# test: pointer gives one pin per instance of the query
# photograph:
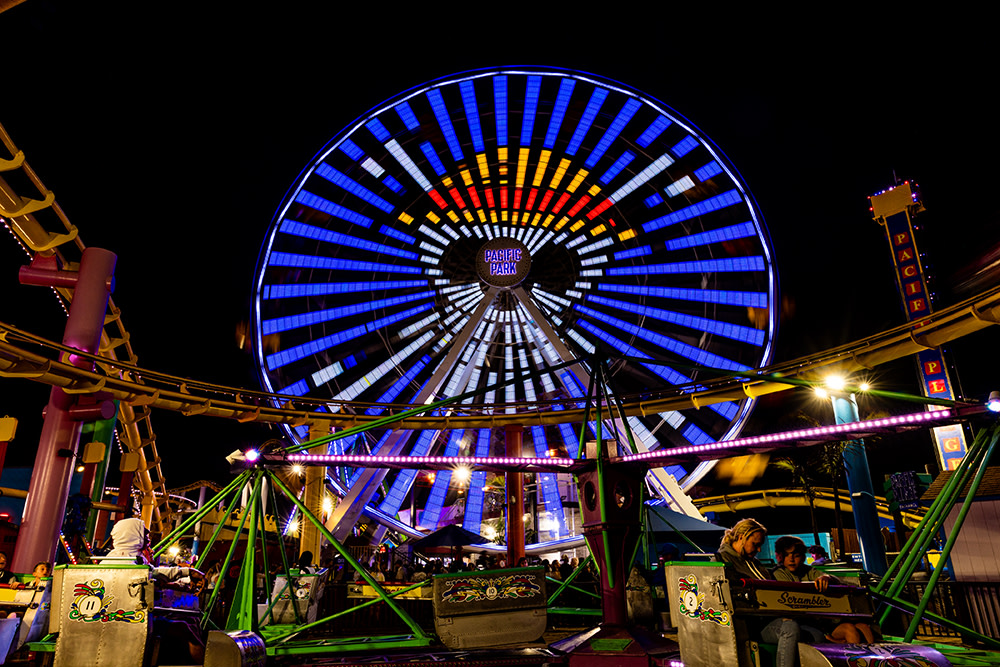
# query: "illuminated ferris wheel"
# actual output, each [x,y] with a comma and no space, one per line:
[492,226]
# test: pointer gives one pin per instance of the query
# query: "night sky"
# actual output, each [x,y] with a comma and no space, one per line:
[170,134]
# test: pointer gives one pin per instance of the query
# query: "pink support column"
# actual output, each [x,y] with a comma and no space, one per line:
[50,480]
[515,498]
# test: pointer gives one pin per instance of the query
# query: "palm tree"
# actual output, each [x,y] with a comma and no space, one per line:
[802,478]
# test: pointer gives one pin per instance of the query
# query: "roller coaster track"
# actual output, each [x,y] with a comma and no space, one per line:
[772,498]
[44,232]
[29,356]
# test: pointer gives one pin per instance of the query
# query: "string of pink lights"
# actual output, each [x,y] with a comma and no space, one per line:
[653,458]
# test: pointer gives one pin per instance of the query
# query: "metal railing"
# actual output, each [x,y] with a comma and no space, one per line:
[975,605]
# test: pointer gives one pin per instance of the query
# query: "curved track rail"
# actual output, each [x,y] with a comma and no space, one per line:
[45,233]
[27,356]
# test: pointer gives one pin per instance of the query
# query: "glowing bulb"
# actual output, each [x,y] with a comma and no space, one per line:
[298,469]
[251,455]
[462,474]
[864,386]
[292,527]
[820,392]
[836,382]
[993,404]
[327,504]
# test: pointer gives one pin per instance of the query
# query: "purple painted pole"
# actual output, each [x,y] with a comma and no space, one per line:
[64,416]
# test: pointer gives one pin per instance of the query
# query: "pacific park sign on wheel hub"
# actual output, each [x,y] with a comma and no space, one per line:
[503,262]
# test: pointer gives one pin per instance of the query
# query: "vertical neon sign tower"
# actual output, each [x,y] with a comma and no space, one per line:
[893,209]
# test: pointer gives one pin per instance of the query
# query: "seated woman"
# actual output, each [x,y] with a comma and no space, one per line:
[739,548]
[790,553]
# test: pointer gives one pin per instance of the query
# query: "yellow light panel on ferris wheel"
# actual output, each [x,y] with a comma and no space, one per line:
[543,162]
[484,168]
[575,183]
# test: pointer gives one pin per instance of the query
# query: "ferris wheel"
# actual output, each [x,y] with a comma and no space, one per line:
[490,227]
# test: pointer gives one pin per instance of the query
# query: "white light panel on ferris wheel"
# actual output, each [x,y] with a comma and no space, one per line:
[333,283]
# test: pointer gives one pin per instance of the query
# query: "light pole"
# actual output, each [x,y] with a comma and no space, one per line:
[859,482]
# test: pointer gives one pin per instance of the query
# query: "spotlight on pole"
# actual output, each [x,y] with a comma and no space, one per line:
[993,404]
[836,382]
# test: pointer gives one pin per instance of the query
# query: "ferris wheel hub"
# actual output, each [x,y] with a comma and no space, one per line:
[503,262]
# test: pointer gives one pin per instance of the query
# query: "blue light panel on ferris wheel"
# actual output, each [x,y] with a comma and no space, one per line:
[432,157]
[731,264]
[290,322]
[352,150]
[500,108]
[435,500]
[711,169]
[279,359]
[661,369]
[641,251]
[696,436]
[531,91]
[550,486]
[684,146]
[586,120]
[444,122]
[616,168]
[442,480]
[654,130]
[314,262]
[474,500]
[407,116]
[393,184]
[626,113]
[559,111]
[299,388]
[716,203]
[726,329]
[653,200]
[397,494]
[727,297]
[695,354]
[396,234]
[740,231]
[336,210]
[352,186]
[319,289]
[571,440]
[472,115]
[404,480]
[376,127]
[294,228]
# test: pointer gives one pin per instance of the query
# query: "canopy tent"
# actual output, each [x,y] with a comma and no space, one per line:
[451,537]
[670,526]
